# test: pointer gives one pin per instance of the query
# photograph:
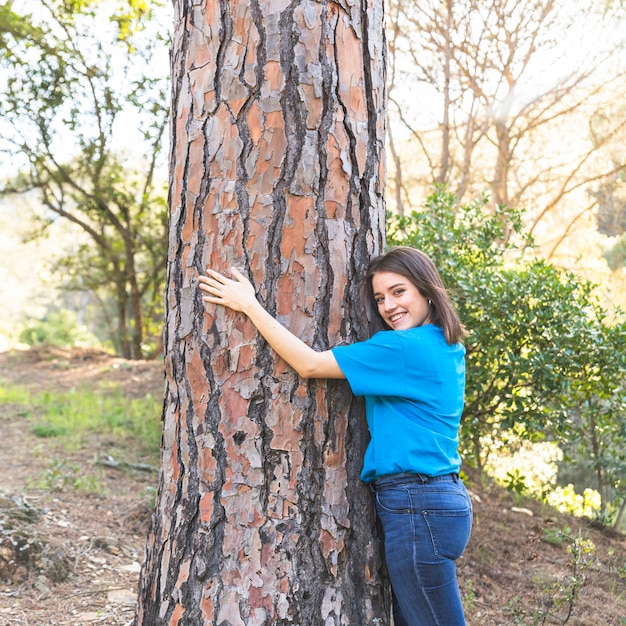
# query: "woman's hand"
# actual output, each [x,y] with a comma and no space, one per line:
[237,294]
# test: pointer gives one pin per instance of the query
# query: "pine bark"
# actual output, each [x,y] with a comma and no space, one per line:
[277,167]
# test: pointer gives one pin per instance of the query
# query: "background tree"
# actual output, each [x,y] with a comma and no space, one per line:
[501,95]
[276,166]
[594,436]
[610,193]
[77,78]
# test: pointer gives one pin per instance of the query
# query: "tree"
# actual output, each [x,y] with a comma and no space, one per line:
[72,71]
[595,434]
[276,167]
[505,83]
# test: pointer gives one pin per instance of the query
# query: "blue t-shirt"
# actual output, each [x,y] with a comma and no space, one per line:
[414,385]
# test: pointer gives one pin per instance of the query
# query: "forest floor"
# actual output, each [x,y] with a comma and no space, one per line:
[526,563]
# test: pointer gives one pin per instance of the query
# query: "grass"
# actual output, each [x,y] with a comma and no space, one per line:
[73,416]
[14,395]
[60,474]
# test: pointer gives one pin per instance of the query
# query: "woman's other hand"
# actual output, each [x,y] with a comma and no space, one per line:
[236,294]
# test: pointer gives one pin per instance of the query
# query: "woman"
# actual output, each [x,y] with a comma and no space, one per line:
[413,380]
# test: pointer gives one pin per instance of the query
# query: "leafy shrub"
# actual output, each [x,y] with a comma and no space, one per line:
[58,328]
[543,363]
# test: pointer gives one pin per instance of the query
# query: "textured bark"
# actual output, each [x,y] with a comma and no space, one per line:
[277,168]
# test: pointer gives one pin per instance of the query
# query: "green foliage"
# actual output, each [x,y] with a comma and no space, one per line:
[616,255]
[525,467]
[149,495]
[132,425]
[595,431]
[61,474]
[58,328]
[516,482]
[559,594]
[15,395]
[469,595]
[73,69]
[48,431]
[73,415]
[556,536]
[565,592]
[541,359]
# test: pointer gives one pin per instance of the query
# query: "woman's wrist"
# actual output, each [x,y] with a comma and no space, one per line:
[252,308]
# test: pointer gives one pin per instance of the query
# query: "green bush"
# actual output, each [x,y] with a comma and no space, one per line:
[58,328]
[543,363]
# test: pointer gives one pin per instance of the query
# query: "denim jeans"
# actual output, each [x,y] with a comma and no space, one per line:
[426,524]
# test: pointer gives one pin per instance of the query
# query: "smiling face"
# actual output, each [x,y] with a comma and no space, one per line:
[399,302]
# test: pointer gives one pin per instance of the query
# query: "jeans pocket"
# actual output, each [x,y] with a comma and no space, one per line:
[449,531]
[397,501]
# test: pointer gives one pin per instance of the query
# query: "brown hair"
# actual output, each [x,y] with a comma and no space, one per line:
[421,271]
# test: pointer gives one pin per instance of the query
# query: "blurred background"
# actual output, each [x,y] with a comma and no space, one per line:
[506,162]
[521,102]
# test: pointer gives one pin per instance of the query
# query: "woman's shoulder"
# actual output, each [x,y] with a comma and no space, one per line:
[389,335]
[412,338]
[425,332]
[428,334]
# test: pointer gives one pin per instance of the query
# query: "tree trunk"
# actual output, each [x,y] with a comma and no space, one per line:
[595,457]
[444,161]
[122,322]
[397,175]
[135,313]
[277,168]
[500,184]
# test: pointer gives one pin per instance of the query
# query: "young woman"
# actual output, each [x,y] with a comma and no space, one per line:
[413,380]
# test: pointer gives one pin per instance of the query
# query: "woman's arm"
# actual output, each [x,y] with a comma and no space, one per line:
[238,295]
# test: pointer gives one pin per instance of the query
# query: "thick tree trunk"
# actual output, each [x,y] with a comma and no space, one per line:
[277,168]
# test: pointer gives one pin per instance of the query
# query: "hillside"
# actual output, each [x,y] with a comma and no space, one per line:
[519,565]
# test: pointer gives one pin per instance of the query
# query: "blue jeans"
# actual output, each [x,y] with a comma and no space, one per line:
[426,524]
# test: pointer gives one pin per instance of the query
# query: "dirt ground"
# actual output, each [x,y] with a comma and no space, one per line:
[93,544]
